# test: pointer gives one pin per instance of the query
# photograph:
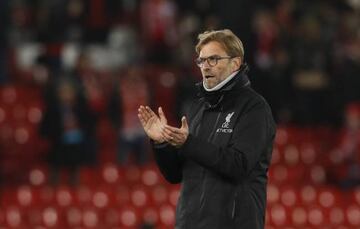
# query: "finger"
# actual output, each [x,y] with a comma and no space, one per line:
[142,120]
[140,113]
[177,139]
[173,135]
[171,140]
[184,124]
[169,133]
[142,110]
[167,136]
[162,116]
[178,135]
[172,129]
[151,112]
[146,115]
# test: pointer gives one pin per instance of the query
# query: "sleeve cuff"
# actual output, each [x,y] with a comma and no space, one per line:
[159,145]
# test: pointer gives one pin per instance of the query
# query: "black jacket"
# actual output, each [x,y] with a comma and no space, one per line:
[224,162]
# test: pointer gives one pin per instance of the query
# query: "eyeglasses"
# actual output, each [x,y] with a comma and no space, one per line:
[211,60]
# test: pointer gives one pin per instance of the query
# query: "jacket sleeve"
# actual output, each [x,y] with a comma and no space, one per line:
[169,162]
[253,135]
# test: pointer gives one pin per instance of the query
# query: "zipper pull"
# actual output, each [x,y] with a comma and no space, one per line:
[233,210]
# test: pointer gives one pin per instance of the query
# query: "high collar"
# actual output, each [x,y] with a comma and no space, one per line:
[214,98]
[221,84]
[238,81]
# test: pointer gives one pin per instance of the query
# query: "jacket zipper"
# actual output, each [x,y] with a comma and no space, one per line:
[233,210]
[233,207]
[202,196]
[197,127]
[212,133]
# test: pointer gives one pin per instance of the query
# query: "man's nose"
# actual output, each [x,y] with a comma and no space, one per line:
[205,69]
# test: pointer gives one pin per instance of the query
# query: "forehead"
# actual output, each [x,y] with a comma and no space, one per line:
[212,48]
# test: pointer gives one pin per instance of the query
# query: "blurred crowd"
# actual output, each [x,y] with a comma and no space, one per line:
[99,59]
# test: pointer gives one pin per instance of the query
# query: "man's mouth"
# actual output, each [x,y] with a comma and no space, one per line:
[208,76]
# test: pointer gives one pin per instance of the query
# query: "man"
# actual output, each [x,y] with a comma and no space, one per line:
[222,155]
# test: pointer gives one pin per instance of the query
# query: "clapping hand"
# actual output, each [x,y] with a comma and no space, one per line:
[152,123]
[156,127]
[176,136]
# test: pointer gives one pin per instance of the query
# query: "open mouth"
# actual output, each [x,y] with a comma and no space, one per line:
[208,76]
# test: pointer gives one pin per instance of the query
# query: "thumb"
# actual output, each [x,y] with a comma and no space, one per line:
[162,116]
[184,124]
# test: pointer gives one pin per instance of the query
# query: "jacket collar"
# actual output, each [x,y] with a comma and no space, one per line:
[239,81]
[214,98]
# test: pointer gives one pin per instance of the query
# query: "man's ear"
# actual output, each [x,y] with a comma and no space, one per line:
[236,63]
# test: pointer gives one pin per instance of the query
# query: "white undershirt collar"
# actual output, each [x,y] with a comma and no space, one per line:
[221,84]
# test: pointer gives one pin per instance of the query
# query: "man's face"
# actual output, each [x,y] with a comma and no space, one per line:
[213,75]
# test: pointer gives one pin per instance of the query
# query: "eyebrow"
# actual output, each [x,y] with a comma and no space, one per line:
[216,55]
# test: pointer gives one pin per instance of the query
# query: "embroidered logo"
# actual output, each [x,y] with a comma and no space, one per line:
[225,126]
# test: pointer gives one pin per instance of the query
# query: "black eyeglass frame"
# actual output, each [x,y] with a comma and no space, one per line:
[211,60]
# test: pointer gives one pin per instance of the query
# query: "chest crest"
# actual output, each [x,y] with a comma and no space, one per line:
[227,124]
